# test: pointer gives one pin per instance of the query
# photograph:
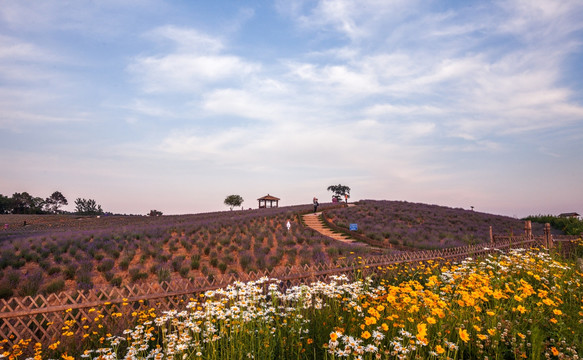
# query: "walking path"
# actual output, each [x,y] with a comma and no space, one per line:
[314,221]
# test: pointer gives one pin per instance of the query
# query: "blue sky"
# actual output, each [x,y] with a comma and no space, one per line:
[173,105]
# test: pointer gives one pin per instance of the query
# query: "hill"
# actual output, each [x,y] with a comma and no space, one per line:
[53,253]
[424,226]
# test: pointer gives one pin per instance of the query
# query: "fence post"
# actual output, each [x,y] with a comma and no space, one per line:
[528,229]
[548,239]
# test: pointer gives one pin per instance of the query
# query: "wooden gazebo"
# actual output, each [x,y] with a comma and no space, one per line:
[268,201]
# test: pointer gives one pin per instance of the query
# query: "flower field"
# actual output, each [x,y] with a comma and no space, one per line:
[521,304]
[80,254]
[424,226]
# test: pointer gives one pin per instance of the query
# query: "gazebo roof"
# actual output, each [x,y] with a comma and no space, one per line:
[570,214]
[268,197]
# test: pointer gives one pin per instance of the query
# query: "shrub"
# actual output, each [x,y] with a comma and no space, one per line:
[84,280]
[177,263]
[194,263]
[31,284]
[70,271]
[54,286]
[222,267]
[136,274]
[183,271]
[245,260]
[6,291]
[124,264]
[105,265]
[163,274]
[116,281]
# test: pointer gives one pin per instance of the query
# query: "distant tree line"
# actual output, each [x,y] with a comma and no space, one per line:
[24,203]
[568,225]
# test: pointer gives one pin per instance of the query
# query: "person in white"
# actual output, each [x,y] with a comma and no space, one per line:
[288,225]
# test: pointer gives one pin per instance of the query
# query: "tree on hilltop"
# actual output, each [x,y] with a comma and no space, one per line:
[87,207]
[340,191]
[233,200]
[24,203]
[54,202]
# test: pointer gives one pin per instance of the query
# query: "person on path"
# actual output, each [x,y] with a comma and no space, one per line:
[346,198]
[288,225]
[316,204]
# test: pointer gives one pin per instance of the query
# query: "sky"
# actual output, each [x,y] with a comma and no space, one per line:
[173,105]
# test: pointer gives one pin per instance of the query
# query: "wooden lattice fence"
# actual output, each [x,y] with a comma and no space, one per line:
[45,319]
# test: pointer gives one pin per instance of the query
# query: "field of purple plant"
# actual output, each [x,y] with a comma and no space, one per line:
[54,253]
[425,226]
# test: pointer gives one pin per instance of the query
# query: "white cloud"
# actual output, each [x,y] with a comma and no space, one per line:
[196,62]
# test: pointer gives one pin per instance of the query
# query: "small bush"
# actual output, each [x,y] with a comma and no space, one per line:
[54,286]
[183,271]
[124,264]
[136,274]
[5,290]
[31,284]
[105,265]
[54,270]
[116,281]
[70,271]
[163,274]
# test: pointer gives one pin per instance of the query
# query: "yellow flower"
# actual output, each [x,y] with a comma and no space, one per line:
[439,349]
[464,335]
[557,312]
[555,351]
[421,330]
[491,313]
[370,320]
[385,327]
[333,336]
[431,320]
[521,308]
[365,335]
[553,320]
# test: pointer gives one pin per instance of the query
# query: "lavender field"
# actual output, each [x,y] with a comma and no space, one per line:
[425,226]
[52,253]
[55,253]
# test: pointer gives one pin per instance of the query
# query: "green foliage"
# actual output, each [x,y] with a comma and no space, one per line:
[339,191]
[568,225]
[233,200]
[54,202]
[87,207]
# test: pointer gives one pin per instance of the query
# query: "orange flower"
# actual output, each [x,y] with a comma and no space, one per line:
[464,335]
[333,336]
[365,335]
[439,349]
[555,351]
